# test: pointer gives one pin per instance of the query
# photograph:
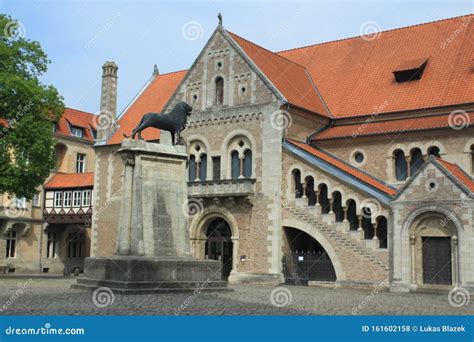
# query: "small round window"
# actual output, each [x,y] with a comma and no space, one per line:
[359,157]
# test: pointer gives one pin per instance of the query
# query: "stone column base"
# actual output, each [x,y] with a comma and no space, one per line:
[134,274]
[255,278]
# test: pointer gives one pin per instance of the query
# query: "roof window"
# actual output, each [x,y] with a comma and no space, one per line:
[410,70]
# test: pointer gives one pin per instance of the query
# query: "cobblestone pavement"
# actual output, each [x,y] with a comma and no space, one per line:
[54,297]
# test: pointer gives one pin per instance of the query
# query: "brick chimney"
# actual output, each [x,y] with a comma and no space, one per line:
[108,102]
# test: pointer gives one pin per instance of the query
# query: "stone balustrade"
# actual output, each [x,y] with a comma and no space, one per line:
[222,187]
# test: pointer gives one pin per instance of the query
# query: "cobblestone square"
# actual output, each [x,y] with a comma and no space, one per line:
[40,296]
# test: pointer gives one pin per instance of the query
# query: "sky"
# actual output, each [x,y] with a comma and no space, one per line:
[79,36]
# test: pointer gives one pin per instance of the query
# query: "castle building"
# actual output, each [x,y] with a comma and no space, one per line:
[51,233]
[347,163]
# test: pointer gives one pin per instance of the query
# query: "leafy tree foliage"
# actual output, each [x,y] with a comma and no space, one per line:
[27,110]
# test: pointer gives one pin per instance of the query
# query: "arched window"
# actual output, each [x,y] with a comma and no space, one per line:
[235,164]
[298,187]
[382,231]
[367,225]
[241,163]
[434,151]
[401,169]
[416,161]
[203,167]
[247,164]
[309,191]
[197,169]
[352,215]
[192,168]
[472,158]
[219,90]
[337,206]
[323,198]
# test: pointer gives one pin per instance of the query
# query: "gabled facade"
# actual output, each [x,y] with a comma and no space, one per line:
[39,237]
[305,160]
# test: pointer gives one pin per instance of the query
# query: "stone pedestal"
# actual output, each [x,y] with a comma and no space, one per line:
[153,249]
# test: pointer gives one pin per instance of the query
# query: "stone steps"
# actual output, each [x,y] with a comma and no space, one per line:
[346,239]
[136,287]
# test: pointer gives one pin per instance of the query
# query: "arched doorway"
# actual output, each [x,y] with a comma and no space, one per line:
[219,244]
[305,259]
[433,241]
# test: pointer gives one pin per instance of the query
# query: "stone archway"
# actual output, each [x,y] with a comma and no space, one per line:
[433,250]
[199,234]
[305,259]
[315,234]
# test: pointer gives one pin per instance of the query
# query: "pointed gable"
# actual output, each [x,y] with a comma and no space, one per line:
[290,78]
[458,173]
[434,177]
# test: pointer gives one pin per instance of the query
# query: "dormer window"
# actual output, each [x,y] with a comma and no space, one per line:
[219,90]
[94,133]
[410,70]
[77,131]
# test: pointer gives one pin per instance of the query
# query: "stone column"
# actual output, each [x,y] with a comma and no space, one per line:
[408,159]
[331,201]
[360,229]
[124,230]
[316,193]
[375,234]
[413,258]
[241,166]
[454,248]
[345,208]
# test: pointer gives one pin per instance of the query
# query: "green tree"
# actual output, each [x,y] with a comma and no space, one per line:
[27,110]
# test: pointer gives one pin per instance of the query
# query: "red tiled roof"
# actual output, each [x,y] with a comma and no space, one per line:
[290,78]
[355,75]
[153,99]
[458,173]
[346,168]
[77,118]
[71,180]
[389,126]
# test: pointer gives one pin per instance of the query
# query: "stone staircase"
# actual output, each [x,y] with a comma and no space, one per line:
[361,259]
